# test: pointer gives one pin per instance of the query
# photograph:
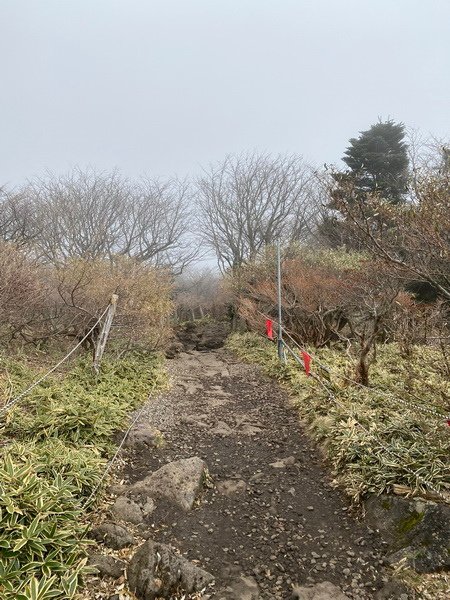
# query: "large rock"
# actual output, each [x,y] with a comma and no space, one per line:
[320,591]
[179,482]
[156,571]
[127,510]
[112,535]
[107,565]
[418,532]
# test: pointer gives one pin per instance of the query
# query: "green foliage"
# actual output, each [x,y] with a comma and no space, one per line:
[371,440]
[41,539]
[82,408]
[378,160]
[62,440]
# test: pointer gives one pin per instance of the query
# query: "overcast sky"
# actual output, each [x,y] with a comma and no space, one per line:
[164,86]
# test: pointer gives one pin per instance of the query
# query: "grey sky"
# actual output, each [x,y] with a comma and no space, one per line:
[163,86]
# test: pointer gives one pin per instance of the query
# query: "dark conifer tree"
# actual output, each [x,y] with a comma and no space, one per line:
[378,161]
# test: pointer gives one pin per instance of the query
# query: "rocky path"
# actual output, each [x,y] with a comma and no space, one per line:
[267,519]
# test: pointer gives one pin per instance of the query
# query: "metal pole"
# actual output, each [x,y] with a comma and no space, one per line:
[280,328]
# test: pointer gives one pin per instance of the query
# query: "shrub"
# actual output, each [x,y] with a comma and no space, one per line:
[22,291]
[144,298]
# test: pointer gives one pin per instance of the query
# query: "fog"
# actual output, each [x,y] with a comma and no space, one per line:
[165,86]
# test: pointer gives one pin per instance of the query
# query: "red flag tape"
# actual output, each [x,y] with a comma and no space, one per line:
[306,361]
[269,328]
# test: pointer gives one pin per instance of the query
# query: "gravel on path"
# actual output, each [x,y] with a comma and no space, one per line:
[270,511]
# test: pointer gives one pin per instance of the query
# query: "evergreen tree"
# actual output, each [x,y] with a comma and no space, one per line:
[378,161]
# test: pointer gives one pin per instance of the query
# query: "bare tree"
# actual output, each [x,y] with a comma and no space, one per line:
[413,240]
[17,218]
[247,202]
[157,225]
[80,214]
[92,215]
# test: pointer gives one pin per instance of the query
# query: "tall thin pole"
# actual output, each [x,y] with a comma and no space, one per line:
[280,327]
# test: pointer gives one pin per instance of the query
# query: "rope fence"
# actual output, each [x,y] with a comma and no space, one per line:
[19,397]
[113,459]
[109,314]
[332,396]
[374,391]
[371,390]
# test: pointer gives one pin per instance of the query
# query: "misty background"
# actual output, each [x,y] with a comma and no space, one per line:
[165,87]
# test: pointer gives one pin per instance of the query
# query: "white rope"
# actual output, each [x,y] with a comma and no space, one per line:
[14,401]
[384,393]
[390,396]
[426,484]
[114,458]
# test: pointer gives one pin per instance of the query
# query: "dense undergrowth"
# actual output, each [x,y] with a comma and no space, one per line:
[372,441]
[55,445]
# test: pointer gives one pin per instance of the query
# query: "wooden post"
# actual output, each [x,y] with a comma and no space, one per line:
[104,333]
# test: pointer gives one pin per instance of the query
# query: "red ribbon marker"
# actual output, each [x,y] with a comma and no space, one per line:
[448,422]
[269,328]
[307,362]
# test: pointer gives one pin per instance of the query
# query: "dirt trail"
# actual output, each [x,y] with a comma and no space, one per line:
[275,520]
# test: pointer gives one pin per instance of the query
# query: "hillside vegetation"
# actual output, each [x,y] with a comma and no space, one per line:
[55,448]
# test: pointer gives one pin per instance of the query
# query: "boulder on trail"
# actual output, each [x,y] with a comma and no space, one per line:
[127,510]
[155,571]
[203,336]
[179,482]
[320,591]
[417,532]
[107,565]
[112,535]
[143,436]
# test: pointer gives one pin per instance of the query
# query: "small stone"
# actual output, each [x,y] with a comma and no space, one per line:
[113,535]
[148,507]
[231,487]
[127,510]
[221,428]
[107,565]
[283,463]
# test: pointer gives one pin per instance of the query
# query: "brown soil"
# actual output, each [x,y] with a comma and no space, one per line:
[289,526]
